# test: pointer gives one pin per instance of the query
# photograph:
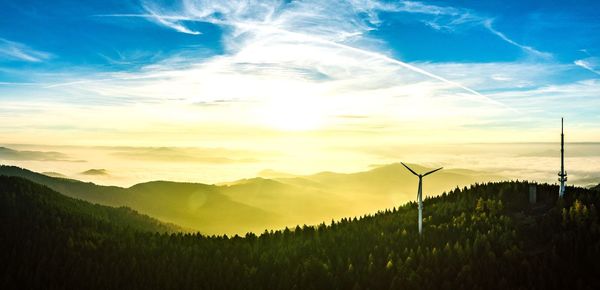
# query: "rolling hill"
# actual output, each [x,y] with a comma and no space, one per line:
[193,206]
[30,202]
[487,236]
[257,204]
[388,185]
[199,206]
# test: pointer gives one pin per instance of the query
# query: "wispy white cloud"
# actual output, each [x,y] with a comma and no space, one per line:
[304,23]
[591,63]
[442,17]
[354,24]
[578,100]
[15,51]
[448,18]
[308,52]
[17,84]
[498,76]
[169,21]
[488,23]
[299,65]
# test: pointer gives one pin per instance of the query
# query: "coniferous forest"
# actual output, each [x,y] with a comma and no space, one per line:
[487,236]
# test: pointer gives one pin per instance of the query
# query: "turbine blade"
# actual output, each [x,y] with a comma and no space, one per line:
[409,169]
[432,171]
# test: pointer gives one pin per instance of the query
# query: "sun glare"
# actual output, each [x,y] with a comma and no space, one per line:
[293,115]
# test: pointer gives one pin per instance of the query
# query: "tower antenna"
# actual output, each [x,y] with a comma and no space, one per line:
[562,175]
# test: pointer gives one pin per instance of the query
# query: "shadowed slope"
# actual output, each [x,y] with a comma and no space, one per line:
[27,201]
[195,206]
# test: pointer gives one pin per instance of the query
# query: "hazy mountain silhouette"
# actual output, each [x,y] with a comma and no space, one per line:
[168,201]
[12,154]
[257,204]
[199,206]
[388,185]
[54,174]
[296,204]
[95,172]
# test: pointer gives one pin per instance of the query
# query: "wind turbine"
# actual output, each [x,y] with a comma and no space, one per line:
[420,193]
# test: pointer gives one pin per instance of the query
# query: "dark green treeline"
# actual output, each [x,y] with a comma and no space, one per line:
[484,237]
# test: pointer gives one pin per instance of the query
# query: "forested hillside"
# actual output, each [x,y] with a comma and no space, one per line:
[197,206]
[487,236]
[32,204]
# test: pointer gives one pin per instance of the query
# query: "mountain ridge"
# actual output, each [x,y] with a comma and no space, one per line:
[256,204]
[25,195]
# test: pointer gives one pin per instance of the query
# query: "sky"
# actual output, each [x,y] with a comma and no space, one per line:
[229,87]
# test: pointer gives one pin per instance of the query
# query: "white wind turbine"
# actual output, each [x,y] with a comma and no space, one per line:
[420,193]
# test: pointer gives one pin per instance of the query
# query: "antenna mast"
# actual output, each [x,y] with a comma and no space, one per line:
[562,175]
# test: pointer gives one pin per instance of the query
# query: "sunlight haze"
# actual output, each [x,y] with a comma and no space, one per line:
[219,91]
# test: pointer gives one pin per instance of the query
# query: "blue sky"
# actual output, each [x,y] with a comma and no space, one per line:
[78,33]
[74,35]
[471,64]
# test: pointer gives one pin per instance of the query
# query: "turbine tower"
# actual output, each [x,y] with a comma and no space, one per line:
[420,194]
[562,175]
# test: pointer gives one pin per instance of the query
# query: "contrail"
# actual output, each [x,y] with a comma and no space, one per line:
[182,18]
[374,55]
[87,81]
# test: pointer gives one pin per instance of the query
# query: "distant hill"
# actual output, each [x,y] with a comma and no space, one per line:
[269,173]
[95,172]
[257,204]
[487,236]
[106,195]
[388,185]
[54,174]
[199,206]
[296,204]
[195,206]
[24,200]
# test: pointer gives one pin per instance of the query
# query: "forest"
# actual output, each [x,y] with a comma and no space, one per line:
[486,236]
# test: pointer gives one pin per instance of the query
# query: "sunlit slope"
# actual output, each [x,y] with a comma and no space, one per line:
[257,204]
[297,204]
[387,186]
[320,197]
[394,179]
[200,206]
[194,206]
